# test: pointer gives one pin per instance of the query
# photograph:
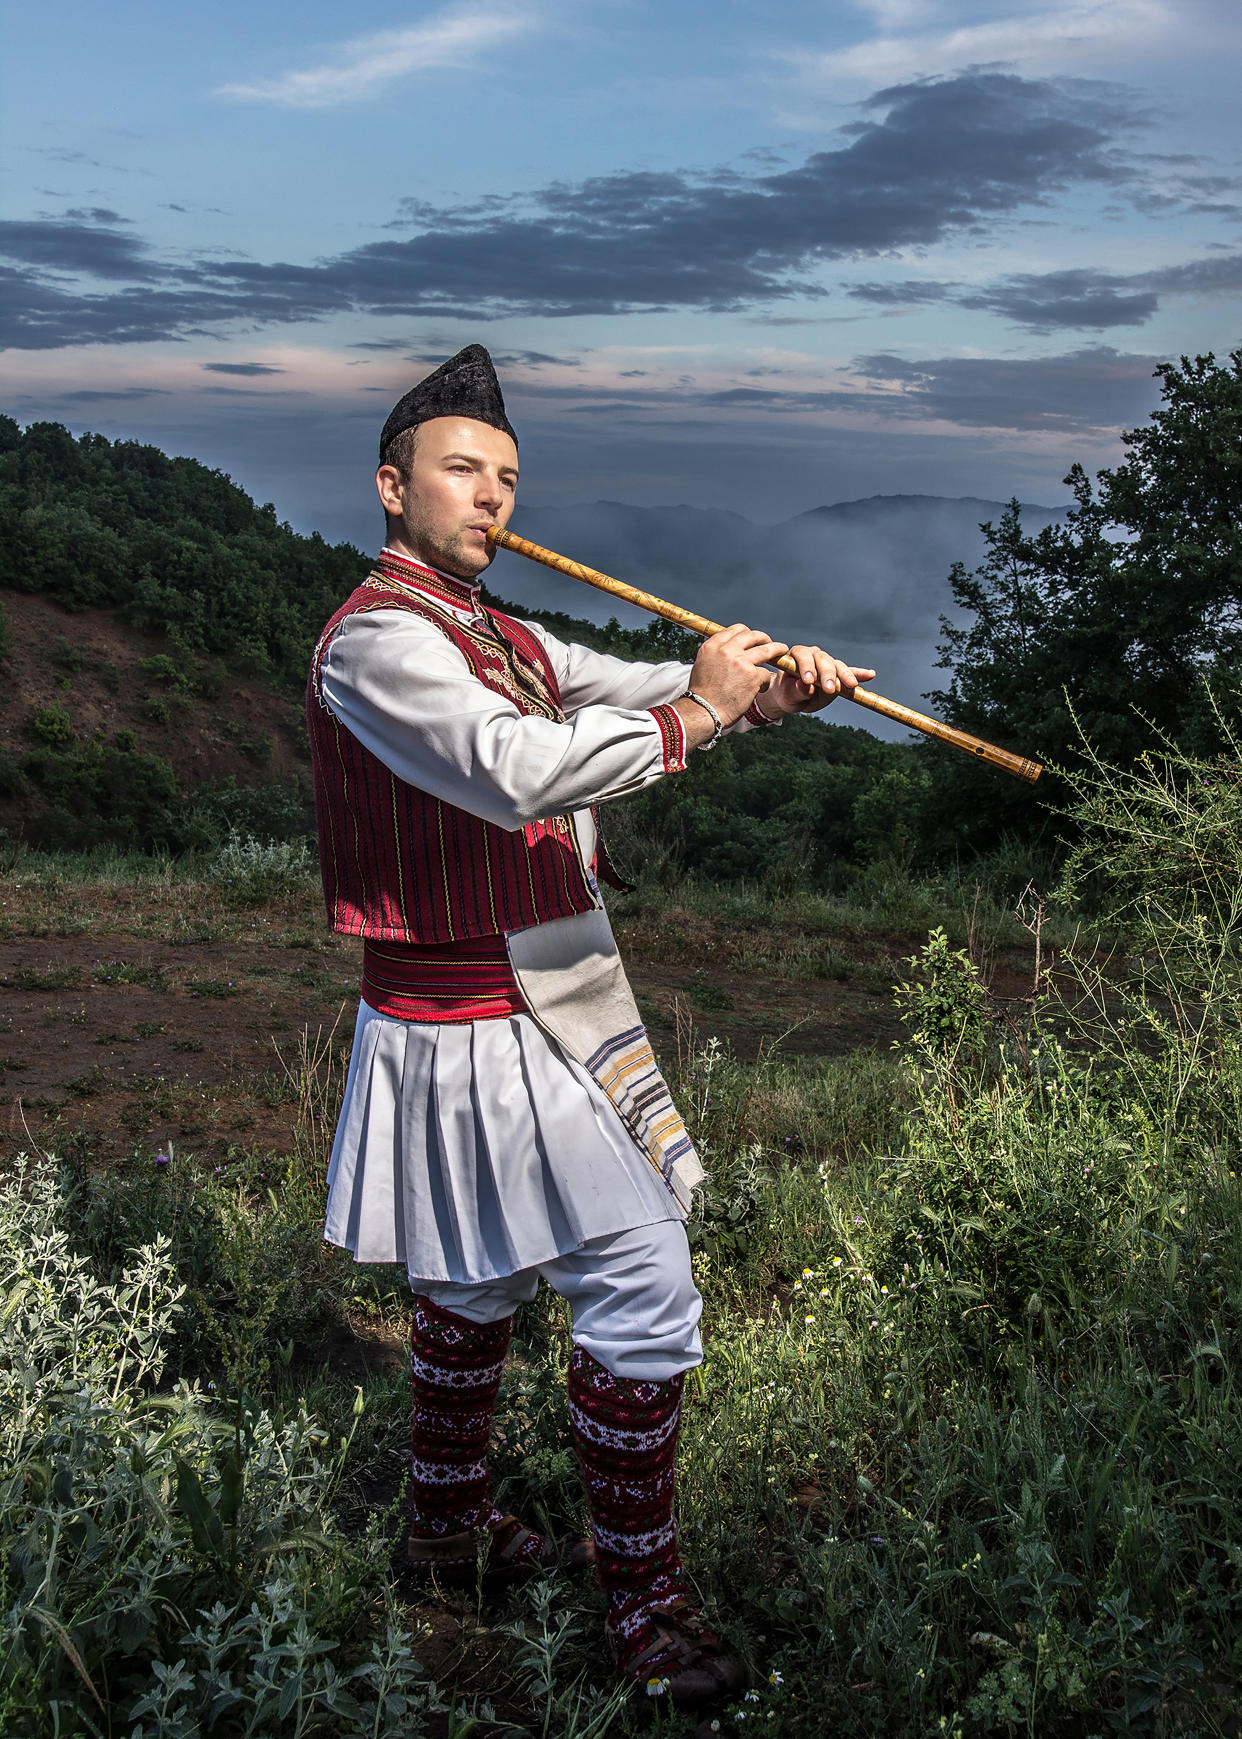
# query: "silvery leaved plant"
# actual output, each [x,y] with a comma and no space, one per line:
[252,870]
[162,1553]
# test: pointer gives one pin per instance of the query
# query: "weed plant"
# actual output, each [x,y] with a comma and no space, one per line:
[252,872]
[962,1455]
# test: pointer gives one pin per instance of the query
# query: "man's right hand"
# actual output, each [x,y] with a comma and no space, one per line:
[729,672]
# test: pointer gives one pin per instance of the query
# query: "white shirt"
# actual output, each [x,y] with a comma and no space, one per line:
[408,694]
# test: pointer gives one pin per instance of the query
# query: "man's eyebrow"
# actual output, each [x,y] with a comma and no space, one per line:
[476,459]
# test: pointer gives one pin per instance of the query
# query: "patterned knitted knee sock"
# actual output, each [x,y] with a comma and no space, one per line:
[455,1369]
[626,1437]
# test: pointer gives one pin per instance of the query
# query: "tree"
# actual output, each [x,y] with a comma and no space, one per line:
[1112,618]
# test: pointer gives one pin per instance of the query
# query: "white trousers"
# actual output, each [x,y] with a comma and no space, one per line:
[634,1302]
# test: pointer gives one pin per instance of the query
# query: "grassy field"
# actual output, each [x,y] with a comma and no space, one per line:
[962,1458]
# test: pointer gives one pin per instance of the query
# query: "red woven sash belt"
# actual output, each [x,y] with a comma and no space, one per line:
[447,981]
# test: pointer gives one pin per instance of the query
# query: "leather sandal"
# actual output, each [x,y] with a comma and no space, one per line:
[685,1661]
[455,1558]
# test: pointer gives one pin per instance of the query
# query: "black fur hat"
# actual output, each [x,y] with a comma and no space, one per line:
[464,386]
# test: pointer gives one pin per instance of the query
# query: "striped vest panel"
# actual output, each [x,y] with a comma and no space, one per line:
[398,864]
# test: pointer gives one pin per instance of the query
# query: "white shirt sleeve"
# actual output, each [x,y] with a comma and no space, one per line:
[408,694]
[586,677]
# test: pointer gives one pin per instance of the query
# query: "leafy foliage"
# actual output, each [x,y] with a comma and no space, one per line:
[943,1005]
[800,804]
[169,543]
[52,726]
[102,793]
[1105,627]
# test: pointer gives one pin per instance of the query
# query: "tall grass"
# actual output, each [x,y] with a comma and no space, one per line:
[974,901]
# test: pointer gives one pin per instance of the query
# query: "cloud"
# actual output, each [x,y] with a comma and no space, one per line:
[69,245]
[1092,389]
[247,368]
[1028,40]
[535,359]
[98,395]
[906,293]
[96,214]
[357,68]
[926,162]
[1042,302]
[1084,393]
[39,315]
[1219,274]
[1083,299]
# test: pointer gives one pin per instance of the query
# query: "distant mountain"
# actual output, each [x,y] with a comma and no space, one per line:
[867,579]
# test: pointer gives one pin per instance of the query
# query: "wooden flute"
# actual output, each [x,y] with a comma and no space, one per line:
[1018,765]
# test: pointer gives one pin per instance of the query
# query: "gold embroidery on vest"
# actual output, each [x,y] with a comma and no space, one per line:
[444,876]
[487,871]
[397,856]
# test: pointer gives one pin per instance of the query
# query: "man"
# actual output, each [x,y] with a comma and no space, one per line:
[504,1118]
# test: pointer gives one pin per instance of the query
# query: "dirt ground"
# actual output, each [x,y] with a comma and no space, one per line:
[140,1016]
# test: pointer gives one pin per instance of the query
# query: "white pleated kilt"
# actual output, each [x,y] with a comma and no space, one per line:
[470,1151]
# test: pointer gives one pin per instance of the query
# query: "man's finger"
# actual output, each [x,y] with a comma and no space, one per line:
[752,637]
[817,669]
[810,661]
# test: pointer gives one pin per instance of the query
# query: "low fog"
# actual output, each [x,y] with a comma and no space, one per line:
[866,579]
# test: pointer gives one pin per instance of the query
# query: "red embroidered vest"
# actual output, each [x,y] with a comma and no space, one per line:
[399,865]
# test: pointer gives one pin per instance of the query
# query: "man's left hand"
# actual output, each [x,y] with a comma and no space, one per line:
[820,679]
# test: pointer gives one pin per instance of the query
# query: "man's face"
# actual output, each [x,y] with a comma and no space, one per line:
[462,480]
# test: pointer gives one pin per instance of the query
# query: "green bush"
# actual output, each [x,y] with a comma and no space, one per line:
[252,1261]
[66,655]
[13,781]
[267,813]
[943,1005]
[106,794]
[170,671]
[51,726]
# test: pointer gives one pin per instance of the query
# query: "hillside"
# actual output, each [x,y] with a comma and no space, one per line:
[156,630]
[109,734]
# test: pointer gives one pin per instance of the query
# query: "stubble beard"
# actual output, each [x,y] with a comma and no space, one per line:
[452,553]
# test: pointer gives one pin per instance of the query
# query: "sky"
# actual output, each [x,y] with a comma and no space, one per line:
[726,255]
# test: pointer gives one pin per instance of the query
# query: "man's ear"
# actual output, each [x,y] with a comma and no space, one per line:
[390,486]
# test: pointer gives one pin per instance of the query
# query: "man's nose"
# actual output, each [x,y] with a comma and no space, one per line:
[487,490]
